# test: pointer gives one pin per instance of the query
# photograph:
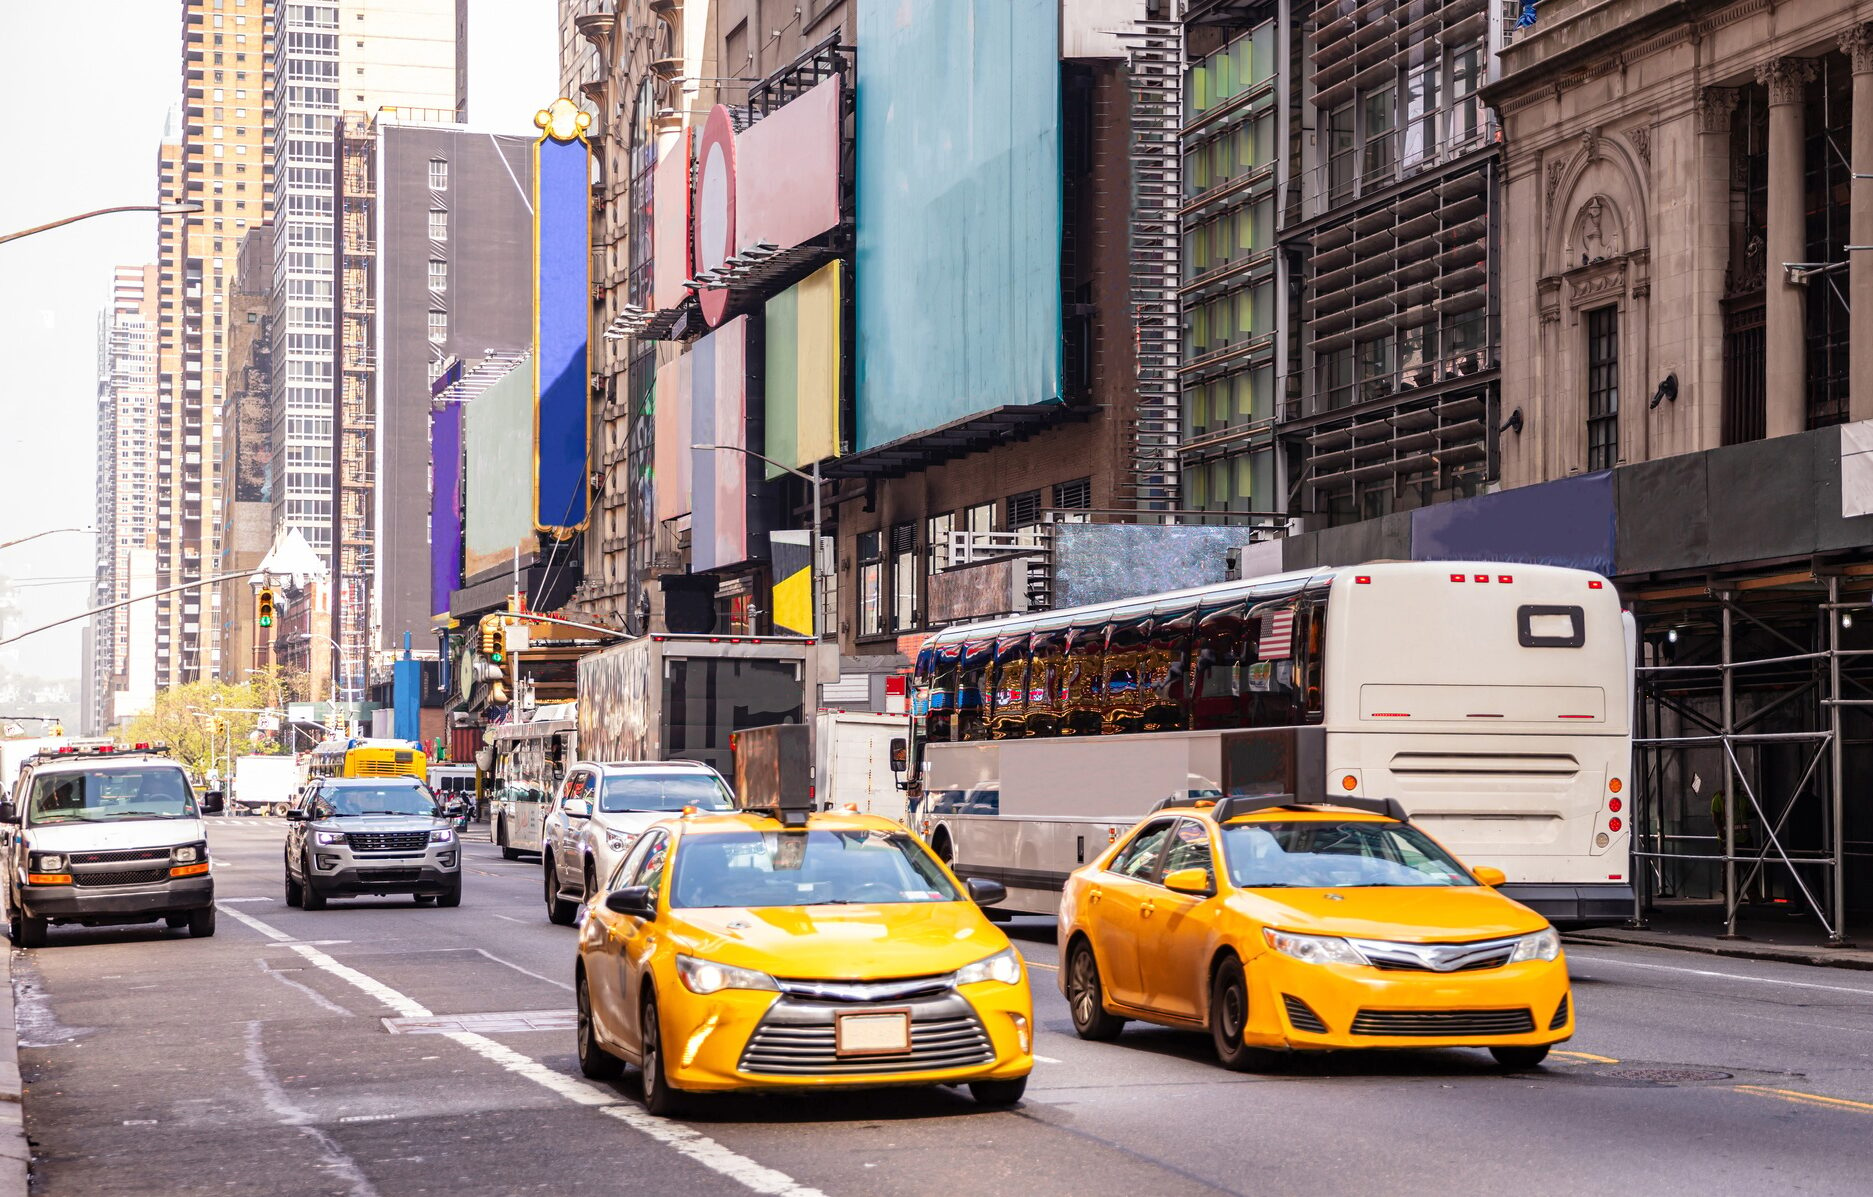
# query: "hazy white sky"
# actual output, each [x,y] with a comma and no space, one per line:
[79,136]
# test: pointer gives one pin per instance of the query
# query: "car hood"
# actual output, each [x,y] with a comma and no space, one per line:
[382,823]
[844,943]
[114,837]
[1407,913]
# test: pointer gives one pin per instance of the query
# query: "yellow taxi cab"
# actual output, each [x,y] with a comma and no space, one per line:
[785,950]
[1278,925]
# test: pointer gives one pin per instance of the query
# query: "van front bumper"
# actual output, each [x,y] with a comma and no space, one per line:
[126,903]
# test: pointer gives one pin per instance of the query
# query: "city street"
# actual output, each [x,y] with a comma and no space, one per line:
[264,1059]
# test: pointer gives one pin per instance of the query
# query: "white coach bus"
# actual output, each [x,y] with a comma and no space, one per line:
[1493,701]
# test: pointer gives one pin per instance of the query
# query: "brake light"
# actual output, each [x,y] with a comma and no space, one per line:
[1482,577]
[1391,714]
[1614,804]
[1575,716]
[1456,577]
[1505,579]
[1614,823]
[1596,584]
[1362,580]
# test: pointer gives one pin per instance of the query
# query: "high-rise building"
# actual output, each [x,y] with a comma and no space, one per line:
[126,476]
[217,157]
[334,57]
[245,461]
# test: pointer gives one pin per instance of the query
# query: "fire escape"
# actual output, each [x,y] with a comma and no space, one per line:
[354,473]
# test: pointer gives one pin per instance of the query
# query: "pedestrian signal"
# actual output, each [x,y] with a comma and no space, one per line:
[263,604]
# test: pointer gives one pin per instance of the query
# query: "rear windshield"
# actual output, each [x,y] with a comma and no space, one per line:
[1329,854]
[663,792]
[109,795]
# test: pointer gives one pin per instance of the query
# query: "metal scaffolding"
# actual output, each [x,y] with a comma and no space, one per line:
[1750,680]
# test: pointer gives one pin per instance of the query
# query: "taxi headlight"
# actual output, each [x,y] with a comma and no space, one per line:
[1313,949]
[706,976]
[186,855]
[328,837]
[441,835]
[1542,945]
[1003,966]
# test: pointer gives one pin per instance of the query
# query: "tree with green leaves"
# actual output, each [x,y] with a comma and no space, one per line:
[204,722]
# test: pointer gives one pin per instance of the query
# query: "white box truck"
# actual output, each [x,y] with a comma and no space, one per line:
[853,762]
[265,784]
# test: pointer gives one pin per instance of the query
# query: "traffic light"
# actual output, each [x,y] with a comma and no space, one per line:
[263,606]
[494,640]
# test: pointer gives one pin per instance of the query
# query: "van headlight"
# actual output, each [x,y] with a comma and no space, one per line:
[188,854]
[48,862]
[329,837]
[1542,945]
[1003,966]
[1313,949]
[706,976]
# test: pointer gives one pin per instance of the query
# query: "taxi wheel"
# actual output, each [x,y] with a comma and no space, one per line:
[1229,1016]
[595,1063]
[1086,997]
[1517,1058]
[998,1093]
[659,1097]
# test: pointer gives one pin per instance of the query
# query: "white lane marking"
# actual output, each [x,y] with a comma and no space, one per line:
[317,997]
[698,1147]
[529,972]
[1705,972]
[288,1114]
[510,918]
[219,901]
[1046,1059]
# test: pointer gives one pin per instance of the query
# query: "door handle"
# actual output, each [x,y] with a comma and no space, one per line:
[1094,896]
[1147,908]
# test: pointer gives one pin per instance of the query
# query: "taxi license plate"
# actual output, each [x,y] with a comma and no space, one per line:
[875,1033]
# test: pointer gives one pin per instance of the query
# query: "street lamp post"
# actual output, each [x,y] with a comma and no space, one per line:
[48,532]
[184,208]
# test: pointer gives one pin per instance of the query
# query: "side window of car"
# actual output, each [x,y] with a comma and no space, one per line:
[1190,849]
[650,875]
[628,867]
[1139,856]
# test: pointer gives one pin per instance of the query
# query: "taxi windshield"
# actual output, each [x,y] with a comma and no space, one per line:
[107,795]
[1327,853]
[663,792]
[805,868]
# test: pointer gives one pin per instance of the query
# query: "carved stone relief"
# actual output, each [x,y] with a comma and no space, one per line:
[1786,78]
[1641,138]
[1714,106]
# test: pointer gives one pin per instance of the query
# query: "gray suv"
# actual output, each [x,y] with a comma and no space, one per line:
[352,836]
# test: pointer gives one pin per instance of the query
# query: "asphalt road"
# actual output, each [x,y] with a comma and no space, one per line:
[260,1061]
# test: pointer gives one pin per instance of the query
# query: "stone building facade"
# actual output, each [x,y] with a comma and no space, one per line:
[1679,200]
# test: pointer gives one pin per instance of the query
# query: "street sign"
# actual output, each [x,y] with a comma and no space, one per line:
[267,723]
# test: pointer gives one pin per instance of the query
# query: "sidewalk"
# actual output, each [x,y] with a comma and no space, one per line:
[15,1154]
[1764,934]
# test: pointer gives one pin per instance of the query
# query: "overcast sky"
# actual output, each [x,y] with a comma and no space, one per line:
[83,135]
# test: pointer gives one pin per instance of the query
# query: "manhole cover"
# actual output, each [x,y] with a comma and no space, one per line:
[1666,1076]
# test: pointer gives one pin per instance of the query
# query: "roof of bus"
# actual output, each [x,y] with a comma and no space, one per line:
[341,745]
[1144,604]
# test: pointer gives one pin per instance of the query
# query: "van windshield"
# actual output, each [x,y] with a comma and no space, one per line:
[105,795]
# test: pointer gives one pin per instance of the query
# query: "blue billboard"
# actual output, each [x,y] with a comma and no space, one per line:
[562,223]
[959,212]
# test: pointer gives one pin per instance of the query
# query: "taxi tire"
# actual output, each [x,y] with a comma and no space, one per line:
[1086,996]
[998,1093]
[595,1063]
[1229,1015]
[1519,1058]
[559,912]
[659,1098]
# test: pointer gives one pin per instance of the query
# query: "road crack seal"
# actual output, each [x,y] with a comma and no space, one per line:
[282,1108]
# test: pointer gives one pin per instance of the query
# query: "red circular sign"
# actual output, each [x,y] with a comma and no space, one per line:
[715,206]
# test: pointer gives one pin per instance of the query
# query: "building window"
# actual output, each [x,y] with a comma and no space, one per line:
[1076,495]
[870,584]
[938,529]
[438,326]
[977,521]
[438,275]
[438,174]
[438,224]
[903,576]
[1024,516]
[1602,388]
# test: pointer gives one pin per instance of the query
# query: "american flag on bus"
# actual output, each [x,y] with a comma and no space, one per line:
[1277,639]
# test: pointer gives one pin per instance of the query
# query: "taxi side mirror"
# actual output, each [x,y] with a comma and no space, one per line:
[984,892]
[1188,881]
[1488,876]
[635,900]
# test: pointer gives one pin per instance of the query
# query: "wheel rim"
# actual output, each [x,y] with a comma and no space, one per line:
[653,1055]
[1084,983]
[585,1020]
[1232,1012]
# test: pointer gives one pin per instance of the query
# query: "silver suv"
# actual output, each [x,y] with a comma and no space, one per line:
[349,836]
[600,811]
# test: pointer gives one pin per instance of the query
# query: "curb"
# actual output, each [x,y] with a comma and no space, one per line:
[15,1151]
[1858,961]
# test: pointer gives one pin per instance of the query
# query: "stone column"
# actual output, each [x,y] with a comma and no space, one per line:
[1857,44]
[1705,392]
[1784,337]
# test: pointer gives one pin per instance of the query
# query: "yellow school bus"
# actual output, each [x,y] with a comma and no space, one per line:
[369,758]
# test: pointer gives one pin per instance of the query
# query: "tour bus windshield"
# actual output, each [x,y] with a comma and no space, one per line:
[805,868]
[1329,853]
[111,794]
[338,802]
[663,792]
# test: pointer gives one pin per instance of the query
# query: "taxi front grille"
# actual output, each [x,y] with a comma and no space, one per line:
[794,1049]
[1443,1023]
[1301,1015]
[387,841]
[123,876]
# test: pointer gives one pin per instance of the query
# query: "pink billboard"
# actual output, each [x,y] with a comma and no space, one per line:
[787,171]
[669,211]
